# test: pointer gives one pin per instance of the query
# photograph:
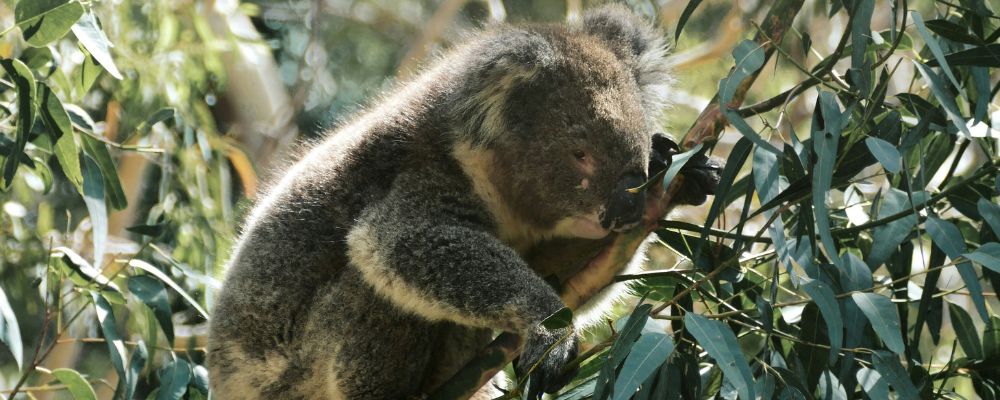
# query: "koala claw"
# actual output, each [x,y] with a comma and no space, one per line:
[548,376]
[701,173]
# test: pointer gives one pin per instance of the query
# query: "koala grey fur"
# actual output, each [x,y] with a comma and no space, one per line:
[387,256]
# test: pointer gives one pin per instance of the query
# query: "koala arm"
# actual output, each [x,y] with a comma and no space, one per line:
[428,248]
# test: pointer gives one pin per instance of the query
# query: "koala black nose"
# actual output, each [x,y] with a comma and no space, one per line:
[624,210]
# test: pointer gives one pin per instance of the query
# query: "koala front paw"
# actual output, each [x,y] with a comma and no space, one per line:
[548,374]
[701,173]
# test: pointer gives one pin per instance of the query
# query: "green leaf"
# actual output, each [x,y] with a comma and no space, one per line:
[44,21]
[88,31]
[887,364]
[983,56]
[990,212]
[87,73]
[749,58]
[135,365]
[946,100]
[142,265]
[888,237]
[949,239]
[154,295]
[10,332]
[883,317]
[116,347]
[934,46]
[160,115]
[966,332]
[93,197]
[620,349]
[645,358]
[154,230]
[112,185]
[559,319]
[677,162]
[830,387]
[827,303]
[991,339]
[688,10]
[78,387]
[61,131]
[174,380]
[987,255]
[885,153]
[720,343]
[828,121]
[84,274]
[24,82]
[872,383]
[952,31]
[199,378]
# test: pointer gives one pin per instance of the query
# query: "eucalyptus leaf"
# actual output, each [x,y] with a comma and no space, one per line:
[987,255]
[883,317]
[45,21]
[116,347]
[78,387]
[720,343]
[24,83]
[10,332]
[885,153]
[152,293]
[948,238]
[88,32]
[174,379]
[828,306]
[966,332]
[644,360]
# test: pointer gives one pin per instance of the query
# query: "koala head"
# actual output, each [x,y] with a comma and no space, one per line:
[567,115]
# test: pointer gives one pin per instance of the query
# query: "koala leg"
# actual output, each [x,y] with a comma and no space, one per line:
[428,248]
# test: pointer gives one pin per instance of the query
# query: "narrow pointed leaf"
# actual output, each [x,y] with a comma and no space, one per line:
[966,332]
[174,380]
[24,82]
[948,238]
[720,343]
[885,153]
[10,332]
[116,347]
[154,295]
[78,387]
[88,31]
[44,21]
[648,353]
[825,299]
[883,317]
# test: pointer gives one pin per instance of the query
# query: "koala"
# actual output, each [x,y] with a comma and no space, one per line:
[397,247]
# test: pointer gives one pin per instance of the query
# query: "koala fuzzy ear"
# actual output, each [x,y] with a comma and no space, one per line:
[639,44]
[512,58]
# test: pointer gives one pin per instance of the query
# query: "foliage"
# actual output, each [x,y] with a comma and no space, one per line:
[859,197]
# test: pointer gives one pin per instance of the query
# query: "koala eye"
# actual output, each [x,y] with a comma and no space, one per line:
[580,155]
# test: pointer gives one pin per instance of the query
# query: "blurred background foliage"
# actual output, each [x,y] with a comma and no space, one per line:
[136,133]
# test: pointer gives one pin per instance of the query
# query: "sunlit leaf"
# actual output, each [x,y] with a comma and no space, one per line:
[144,266]
[109,172]
[78,387]
[88,31]
[93,197]
[61,132]
[24,82]
[749,57]
[44,21]
[872,383]
[116,347]
[619,350]
[10,332]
